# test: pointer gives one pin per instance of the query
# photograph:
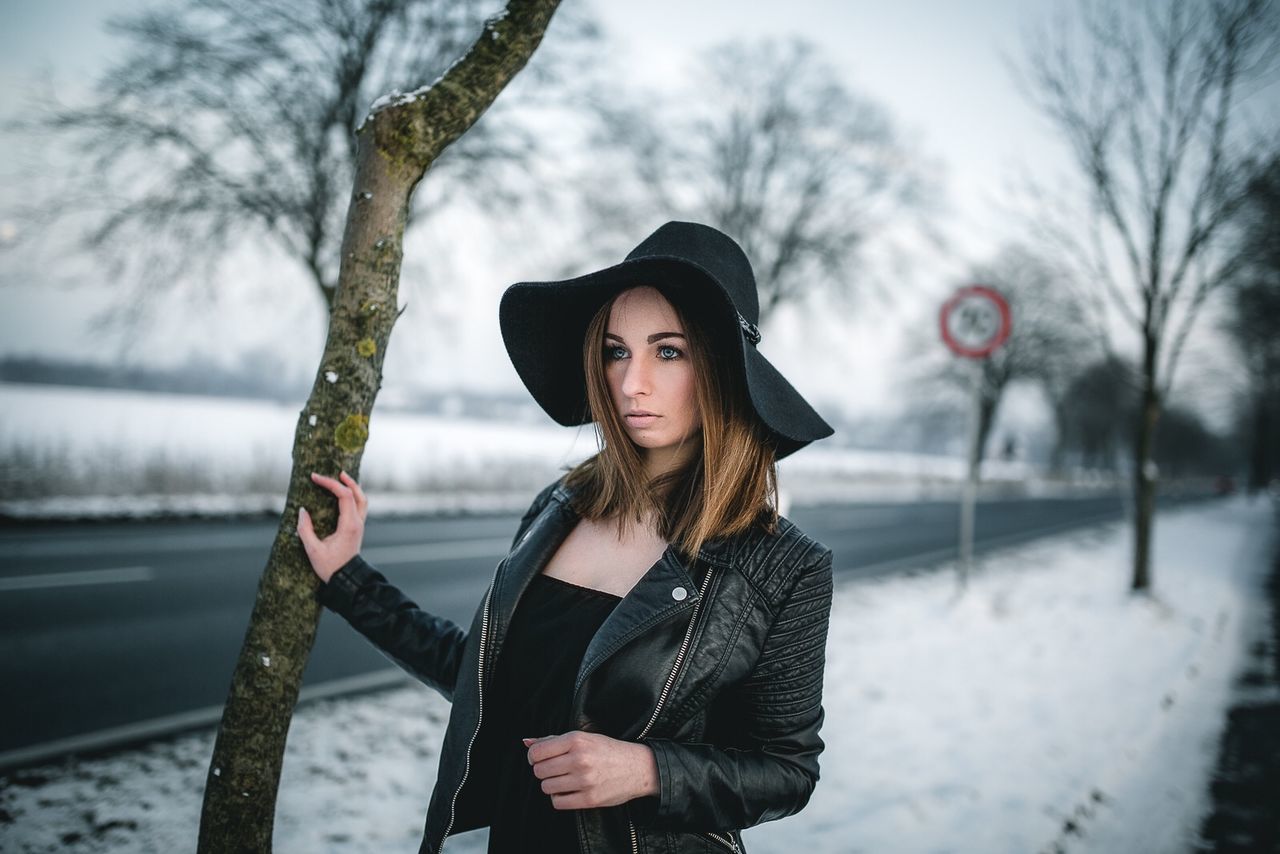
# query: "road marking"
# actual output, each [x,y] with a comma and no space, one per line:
[118,575]
[377,555]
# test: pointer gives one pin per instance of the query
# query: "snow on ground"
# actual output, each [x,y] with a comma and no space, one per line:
[75,452]
[1045,695]
[1045,710]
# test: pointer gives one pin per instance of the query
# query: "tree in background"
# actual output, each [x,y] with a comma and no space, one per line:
[1049,343]
[1253,322]
[1187,447]
[767,145]
[395,146]
[234,121]
[1100,404]
[1147,98]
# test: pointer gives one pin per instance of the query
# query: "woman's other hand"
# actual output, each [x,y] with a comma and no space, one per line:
[582,770]
[327,556]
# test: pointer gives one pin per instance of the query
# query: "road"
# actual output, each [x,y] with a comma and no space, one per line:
[111,632]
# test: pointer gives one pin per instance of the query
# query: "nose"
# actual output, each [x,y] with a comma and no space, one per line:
[637,379]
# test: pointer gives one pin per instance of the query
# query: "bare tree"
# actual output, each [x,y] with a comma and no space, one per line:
[768,145]
[1147,97]
[395,146]
[234,121]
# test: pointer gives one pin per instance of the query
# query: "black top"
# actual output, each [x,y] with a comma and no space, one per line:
[533,690]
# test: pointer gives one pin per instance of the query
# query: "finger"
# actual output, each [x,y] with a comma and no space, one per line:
[569,801]
[336,487]
[362,502]
[561,785]
[553,767]
[349,515]
[306,533]
[547,747]
[347,508]
[352,483]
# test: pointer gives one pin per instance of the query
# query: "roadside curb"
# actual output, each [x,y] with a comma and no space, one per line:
[133,735]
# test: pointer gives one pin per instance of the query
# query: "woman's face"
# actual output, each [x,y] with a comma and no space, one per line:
[650,375]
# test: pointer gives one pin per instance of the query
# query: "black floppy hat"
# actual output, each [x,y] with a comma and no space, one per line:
[543,324]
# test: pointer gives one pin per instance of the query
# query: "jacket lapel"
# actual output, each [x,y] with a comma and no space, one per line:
[665,590]
[540,541]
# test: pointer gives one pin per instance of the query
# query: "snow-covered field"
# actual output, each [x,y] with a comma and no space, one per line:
[1044,710]
[75,452]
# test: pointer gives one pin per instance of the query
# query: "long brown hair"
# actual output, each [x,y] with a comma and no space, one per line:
[729,483]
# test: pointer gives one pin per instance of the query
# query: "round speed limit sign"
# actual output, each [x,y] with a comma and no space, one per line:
[975,321]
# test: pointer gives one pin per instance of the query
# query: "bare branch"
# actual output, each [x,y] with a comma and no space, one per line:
[241,118]
[772,149]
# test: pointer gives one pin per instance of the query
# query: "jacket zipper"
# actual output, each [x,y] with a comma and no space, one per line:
[666,689]
[726,840]
[466,768]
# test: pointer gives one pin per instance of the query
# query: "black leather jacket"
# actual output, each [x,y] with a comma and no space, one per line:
[716,666]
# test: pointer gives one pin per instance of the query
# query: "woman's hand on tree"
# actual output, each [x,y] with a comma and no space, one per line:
[327,556]
[583,770]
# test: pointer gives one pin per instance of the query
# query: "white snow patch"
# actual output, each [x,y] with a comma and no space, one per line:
[90,452]
[331,376]
[395,97]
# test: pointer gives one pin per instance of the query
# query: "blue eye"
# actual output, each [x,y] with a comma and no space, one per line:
[666,352]
[669,353]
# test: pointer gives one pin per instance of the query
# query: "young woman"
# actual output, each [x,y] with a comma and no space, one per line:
[644,673]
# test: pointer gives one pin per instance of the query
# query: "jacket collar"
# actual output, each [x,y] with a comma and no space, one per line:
[666,589]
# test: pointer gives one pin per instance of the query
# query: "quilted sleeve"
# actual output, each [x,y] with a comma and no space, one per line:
[772,768]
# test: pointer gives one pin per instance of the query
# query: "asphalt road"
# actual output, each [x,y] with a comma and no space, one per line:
[116,631]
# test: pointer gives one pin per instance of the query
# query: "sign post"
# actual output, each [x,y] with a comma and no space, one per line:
[975,321]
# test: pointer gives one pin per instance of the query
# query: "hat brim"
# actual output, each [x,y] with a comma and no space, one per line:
[543,324]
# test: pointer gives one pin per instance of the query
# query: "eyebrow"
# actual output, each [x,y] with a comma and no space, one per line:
[657,336]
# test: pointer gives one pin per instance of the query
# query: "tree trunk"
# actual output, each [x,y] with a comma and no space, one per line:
[1259,457]
[395,147]
[986,420]
[1058,455]
[1144,470]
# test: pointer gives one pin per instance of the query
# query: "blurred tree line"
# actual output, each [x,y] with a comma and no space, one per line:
[1253,323]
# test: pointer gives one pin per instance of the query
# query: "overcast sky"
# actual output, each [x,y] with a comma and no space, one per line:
[935,64]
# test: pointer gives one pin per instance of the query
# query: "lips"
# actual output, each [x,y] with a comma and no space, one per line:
[641,419]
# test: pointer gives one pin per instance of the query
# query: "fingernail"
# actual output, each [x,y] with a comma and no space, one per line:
[527,741]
